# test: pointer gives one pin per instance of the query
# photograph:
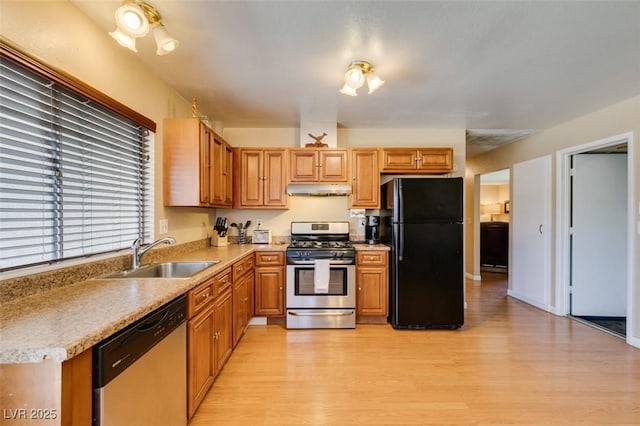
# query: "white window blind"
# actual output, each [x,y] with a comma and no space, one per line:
[75,177]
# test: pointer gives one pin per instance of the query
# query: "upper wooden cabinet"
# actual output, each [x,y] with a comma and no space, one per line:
[221,188]
[197,165]
[260,178]
[318,165]
[365,178]
[417,160]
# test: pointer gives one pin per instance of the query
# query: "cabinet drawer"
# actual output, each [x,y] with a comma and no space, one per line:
[222,281]
[378,258]
[242,267]
[269,258]
[199,298]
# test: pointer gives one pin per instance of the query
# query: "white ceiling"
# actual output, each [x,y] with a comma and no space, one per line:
[448,64]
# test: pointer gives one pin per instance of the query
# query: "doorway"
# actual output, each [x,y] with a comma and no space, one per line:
[494,222]
[594,275]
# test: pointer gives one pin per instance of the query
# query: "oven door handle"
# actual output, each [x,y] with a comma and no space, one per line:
[321,314]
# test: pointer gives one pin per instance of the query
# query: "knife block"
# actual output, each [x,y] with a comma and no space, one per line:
[218,241]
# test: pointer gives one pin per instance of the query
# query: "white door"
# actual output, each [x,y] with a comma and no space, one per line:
[530,241]
[599,235]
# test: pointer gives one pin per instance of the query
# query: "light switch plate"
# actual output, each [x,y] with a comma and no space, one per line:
[164,226]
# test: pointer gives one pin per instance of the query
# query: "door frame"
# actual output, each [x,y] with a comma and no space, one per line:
[563,213]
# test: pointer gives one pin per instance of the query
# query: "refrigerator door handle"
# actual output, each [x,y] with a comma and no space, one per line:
[401,241]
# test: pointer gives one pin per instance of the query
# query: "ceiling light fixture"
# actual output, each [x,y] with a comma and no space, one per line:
[357,73]
[134,19]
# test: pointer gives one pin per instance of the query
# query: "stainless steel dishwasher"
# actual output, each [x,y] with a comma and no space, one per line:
[140,373]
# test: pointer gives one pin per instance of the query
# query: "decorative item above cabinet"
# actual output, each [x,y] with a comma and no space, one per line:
[417,160]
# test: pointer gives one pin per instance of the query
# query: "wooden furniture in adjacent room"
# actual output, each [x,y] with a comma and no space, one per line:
[494,244]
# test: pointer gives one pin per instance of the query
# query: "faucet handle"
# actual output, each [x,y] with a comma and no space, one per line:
[136,243]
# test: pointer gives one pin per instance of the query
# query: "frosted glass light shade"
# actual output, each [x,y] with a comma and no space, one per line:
[354,78]
[348,90]
[373,81]
[164,42]
[131,20]
[124,39]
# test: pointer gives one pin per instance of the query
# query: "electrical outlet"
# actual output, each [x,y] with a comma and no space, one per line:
[361,222]
[164,226]
[259,222]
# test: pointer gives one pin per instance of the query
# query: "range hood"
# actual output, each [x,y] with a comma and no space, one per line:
[318,189]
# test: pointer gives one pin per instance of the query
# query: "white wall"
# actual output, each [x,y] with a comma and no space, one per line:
[613,120]
[58,34]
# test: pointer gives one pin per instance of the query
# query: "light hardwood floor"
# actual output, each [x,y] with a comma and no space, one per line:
[510,364]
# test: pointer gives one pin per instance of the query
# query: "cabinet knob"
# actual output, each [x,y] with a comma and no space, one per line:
[359,288]
[280,288]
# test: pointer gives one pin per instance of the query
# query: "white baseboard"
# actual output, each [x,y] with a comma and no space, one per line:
[633,341]
[470,276]
[258,321]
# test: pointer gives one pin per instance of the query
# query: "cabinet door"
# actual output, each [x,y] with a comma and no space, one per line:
[223,323]
[200,358]
[184,159]
[227,176]
[372,291]
[269,291]
[399,159]
[365,178]
[435,160]
[217,185]
[205,165]
[239,309]
[304,165]
[275,178]
[333,165]
[251,178]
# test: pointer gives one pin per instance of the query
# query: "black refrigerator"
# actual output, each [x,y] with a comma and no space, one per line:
[422,221]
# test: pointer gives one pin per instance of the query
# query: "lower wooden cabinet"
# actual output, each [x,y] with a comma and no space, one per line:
[243,276]
[209,335]
[372,283]
[223,328]
[201,362]
[269,284]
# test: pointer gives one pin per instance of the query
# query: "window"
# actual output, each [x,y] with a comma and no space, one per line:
[76,177]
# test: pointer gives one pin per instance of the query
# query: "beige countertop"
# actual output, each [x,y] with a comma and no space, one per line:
[371,247]
[62,322]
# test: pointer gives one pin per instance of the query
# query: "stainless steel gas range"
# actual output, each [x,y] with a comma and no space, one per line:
[321,277]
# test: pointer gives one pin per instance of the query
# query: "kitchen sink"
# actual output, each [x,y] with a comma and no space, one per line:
[164,270]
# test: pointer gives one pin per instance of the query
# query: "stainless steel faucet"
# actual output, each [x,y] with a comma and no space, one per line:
[137,252]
